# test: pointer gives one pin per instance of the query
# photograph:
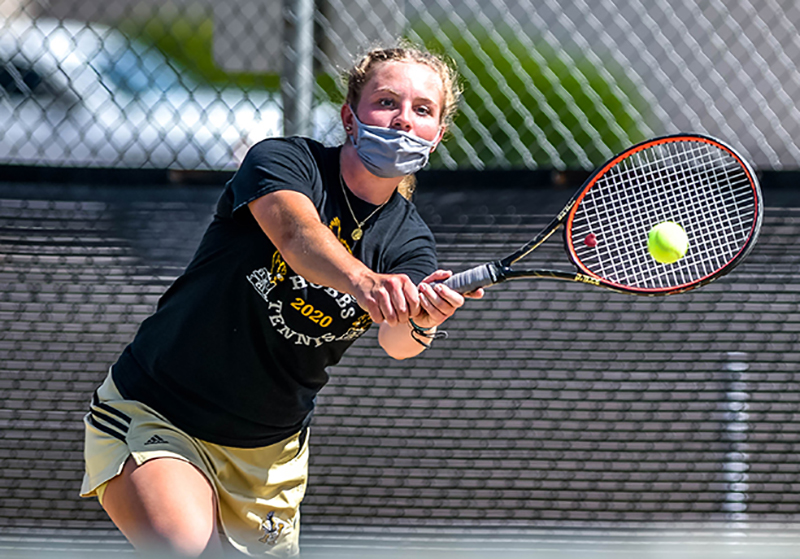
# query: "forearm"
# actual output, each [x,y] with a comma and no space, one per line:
[307,245]
[315,253]
[293,225]
[397,341]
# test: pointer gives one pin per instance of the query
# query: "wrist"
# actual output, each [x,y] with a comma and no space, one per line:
[424,335]
[361,280]
[422,324]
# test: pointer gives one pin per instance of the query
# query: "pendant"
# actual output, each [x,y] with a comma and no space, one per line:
[357,233]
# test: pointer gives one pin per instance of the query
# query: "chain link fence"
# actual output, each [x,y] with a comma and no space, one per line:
[550,84]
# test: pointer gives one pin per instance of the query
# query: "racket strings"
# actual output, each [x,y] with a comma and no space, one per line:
[696,184]
[705,219]
[699,221]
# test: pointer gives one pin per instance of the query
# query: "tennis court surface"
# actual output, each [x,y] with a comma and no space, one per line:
[686,542]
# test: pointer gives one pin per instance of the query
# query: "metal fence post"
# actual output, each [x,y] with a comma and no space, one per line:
[297,80]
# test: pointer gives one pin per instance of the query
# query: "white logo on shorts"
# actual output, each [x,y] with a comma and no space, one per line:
[273,528]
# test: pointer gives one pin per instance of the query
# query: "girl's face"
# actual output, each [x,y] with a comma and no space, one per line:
[405,96]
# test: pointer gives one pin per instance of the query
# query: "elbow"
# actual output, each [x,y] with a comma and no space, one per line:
[397,349]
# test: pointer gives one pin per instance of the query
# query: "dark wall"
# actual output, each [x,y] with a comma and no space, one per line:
[548,403]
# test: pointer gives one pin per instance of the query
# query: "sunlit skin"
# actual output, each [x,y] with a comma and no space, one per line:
[405,96]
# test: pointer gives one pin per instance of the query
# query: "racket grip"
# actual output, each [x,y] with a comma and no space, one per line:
[472,279]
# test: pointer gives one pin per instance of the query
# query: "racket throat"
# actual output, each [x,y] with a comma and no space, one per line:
[498,271]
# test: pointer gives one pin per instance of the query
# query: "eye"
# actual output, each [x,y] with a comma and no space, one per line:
[387,102]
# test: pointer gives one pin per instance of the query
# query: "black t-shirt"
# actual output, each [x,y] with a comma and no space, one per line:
[238,346]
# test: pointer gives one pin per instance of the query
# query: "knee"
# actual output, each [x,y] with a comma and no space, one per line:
[189,536]
[181,541]
[165,506]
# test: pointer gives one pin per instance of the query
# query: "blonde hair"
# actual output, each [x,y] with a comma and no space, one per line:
[361,71]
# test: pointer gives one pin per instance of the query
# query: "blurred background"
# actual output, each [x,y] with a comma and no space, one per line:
[191,84]
[553,412]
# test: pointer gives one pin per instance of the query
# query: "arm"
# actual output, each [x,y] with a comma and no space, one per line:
[292,223]
[437,303]
[397,342]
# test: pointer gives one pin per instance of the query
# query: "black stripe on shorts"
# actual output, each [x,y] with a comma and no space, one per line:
[100,416]
[108,409]
[105,429]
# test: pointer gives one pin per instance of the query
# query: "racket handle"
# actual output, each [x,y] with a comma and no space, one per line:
[470,280]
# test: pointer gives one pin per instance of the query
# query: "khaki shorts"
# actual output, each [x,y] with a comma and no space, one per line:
[258,490]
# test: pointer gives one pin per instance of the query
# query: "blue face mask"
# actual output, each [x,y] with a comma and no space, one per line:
[390,153]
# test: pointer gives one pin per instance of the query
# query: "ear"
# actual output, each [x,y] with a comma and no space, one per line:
[348,120]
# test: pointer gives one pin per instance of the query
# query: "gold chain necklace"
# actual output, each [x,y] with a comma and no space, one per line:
[358,232]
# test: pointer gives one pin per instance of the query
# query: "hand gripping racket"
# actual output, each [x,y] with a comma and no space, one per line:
[696,181]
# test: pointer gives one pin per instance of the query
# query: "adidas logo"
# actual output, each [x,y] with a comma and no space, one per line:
[155,439]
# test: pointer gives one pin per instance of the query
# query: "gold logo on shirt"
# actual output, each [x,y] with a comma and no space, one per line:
[336,227]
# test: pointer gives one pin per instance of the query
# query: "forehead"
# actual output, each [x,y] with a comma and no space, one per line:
[406,76]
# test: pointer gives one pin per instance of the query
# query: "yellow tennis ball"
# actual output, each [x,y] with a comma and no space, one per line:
[667,242]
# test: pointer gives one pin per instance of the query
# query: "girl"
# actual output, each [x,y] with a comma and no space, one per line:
[202,423]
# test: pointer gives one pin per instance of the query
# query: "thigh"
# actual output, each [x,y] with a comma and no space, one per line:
[166,504]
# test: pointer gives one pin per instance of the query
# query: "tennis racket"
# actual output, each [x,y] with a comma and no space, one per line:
[696,181]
